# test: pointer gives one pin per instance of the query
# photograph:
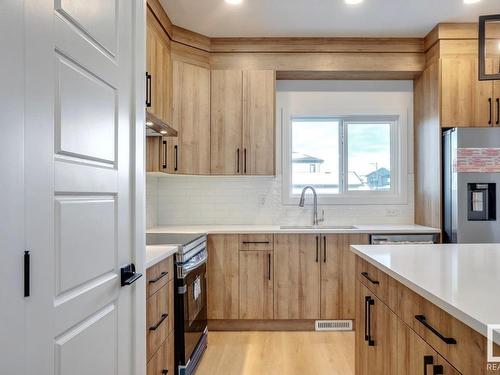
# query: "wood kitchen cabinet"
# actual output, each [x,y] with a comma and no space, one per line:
[256,284]
[223,277]
[159,70]
[190,151]
[338,275]
[156,154]
[376,335]
[297,276]
[465,101]
[243,122]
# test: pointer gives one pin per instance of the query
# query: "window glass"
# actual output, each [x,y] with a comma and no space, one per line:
[369,156]
[315,155]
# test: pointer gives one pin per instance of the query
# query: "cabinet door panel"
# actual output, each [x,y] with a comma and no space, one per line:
[223,277]
[192,117]
[465,101]
[297,275]
[496,93]
[414,356]
[159,66]
[258,122]
[226,121]
[256,285]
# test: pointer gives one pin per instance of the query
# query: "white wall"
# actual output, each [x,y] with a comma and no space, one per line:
[185,200]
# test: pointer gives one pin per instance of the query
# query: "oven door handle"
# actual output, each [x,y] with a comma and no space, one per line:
[195,262]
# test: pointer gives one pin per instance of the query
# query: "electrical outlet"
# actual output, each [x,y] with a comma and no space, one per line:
[262,200]
[391,212]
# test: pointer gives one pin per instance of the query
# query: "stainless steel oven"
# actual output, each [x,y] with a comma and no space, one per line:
[190,298]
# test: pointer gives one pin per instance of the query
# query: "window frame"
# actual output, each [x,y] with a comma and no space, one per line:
[398,146]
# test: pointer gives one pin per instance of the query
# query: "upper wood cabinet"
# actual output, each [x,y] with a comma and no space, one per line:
[258,122]
[243,122]
[226,122]
[256,285]
[159,70]
[297,276]
[466,101]
[223,277]
[191,117]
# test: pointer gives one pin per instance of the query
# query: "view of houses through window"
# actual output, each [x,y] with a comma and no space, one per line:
[338,155]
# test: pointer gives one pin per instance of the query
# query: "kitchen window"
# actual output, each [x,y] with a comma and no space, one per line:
[348,160]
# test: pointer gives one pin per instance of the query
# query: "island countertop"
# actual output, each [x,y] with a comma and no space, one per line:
[461,279]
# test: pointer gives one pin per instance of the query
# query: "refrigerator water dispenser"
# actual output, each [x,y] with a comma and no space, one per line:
[481,202]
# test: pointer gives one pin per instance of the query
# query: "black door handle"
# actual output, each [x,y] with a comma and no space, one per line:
[255,242]
[428,360]
[164,154]
[27,273]
[371,302]
[128,275]
[148,90]
[176,157]
[423,320]
[491,111]
[162,275]
[155,327]
[498,111]
[317,249]
[324,249]
[164,371]
[367,277]
[245,161]
[367,299]
[438,370]
[238,160]
[269,265]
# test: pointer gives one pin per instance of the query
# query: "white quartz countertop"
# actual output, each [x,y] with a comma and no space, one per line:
[461,279]
[156,253]
[227,229]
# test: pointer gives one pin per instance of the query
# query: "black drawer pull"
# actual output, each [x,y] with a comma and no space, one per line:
[447,340]
[155,327]
[367,277]
[162,275]
[437,370]
[491,111]
[498,111]
[164,371]
[371,302]
[317,249]
[256,242]
[428,360]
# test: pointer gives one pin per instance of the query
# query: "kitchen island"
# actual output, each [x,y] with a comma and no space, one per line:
[425,309]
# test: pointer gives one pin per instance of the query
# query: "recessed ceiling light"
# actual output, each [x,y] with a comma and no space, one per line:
[353,1]
[471,1]
[234,2]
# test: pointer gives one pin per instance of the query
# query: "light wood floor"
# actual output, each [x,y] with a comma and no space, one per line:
[278,353]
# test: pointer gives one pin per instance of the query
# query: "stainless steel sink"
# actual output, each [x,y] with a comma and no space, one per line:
[318,227]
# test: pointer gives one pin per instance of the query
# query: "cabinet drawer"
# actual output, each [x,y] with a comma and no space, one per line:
[461,346]
[158,275]
[163,361]
[256,242]
[159,318]
[383,286]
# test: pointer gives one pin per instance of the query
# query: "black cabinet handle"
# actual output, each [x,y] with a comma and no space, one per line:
[367,299]
[269,265]
[27,261]
[491,111]
[317,249]
[162,275]
[238,161]
[128,275]
[255,242]
[423,320]
[155,327]
[245,160]
[371,302]
[324,249]
[176,157]
[367,277]
[498,111]
[428,360]
[148,90]
[438,370]
[164,154]
[164,371]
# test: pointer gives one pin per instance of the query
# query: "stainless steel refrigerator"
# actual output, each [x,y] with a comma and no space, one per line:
[471,179]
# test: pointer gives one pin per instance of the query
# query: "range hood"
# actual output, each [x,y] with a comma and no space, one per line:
[156,127]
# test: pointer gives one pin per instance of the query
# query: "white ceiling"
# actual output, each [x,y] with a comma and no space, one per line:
[372,18]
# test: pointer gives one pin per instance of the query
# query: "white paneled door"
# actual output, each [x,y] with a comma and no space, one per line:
[79,165]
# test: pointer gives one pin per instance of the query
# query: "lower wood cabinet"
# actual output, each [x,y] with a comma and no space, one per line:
[223,277]
[256,284]
[163,362]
